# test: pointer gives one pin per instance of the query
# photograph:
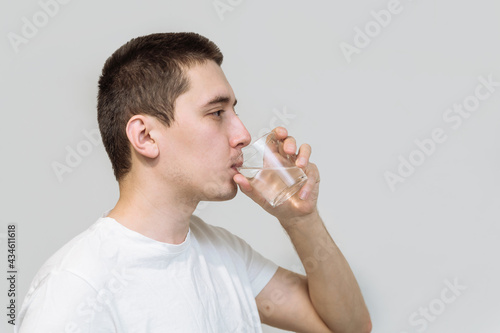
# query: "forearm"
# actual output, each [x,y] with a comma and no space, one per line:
[333,289]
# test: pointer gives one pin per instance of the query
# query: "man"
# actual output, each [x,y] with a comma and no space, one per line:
[167,120]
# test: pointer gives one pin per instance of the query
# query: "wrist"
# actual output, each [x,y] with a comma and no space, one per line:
[299,222]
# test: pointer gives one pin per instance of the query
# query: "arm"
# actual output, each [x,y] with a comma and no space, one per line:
[332,287]
[328,299]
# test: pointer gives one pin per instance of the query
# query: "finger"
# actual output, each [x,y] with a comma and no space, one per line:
[248,189]
[303,156]
[312,181]
[243,182]
[280,133]
[290,145]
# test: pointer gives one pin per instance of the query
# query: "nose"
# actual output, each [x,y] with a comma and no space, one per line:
[240,137]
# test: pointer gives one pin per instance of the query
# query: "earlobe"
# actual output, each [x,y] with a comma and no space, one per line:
[139,133]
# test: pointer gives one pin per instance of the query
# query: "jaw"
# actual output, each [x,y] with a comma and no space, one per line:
[214,191]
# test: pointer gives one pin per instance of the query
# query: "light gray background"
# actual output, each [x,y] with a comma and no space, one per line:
[283,57]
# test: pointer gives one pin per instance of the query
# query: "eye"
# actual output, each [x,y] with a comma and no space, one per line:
[217,113]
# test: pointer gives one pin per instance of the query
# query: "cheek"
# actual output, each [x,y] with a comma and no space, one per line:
[201,148]
[211,159]
[217,161]
[203,157]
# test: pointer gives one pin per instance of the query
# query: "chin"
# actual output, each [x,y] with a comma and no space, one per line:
[221,192]
[228,195]
[232,194]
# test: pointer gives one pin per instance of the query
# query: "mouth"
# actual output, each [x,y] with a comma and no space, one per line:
[237,165]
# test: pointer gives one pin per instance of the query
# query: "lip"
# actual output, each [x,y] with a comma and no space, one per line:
[237,165]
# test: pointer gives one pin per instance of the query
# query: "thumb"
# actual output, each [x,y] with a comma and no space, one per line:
[243,183]
[248,189]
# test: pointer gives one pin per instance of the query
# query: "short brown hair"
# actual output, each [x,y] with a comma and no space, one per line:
[145,76]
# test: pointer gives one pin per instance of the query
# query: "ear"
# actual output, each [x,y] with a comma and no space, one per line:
[142,134]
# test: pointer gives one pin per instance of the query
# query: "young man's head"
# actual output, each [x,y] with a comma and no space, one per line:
[166,113]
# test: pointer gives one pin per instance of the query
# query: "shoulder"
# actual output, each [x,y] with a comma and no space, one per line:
[258,269]
[77,258]
[198,226]
[201,229]
[219,237]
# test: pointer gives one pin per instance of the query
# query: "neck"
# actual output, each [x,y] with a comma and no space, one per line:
[159,213]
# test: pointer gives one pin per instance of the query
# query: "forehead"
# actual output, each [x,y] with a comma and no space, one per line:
[206,81]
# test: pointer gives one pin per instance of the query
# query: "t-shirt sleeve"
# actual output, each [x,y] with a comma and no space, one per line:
[260,269]
[60,303]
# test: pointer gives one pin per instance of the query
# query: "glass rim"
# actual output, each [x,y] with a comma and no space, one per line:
[256,151]
[262,137]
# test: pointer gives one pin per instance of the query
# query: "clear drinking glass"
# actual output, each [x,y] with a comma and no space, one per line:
[270,170]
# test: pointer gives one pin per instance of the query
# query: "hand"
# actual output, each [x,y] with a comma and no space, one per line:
[304,202]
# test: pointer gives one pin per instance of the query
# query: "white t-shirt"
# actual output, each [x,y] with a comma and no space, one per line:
[112,279]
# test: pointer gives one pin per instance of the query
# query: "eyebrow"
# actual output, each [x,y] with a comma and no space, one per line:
[219,99]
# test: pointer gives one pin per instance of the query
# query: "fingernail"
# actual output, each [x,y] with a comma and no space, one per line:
[302,161]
